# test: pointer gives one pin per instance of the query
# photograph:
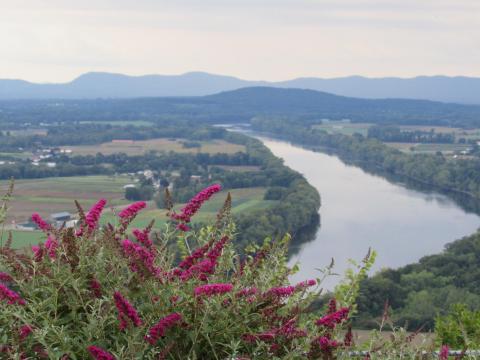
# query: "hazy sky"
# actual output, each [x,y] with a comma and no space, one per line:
[56,40]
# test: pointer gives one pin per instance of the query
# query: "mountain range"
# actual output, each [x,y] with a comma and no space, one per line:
[465,90]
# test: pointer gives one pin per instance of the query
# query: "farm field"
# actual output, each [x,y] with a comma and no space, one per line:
[47,196]
[50,195]
[120,122]
[142,146]
[411,148]
[246,199]
[344,127]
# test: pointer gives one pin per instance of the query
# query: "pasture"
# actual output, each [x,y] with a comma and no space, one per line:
[161,145]
[50,195]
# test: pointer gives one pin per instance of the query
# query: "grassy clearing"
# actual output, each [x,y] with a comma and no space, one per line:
[140,147]
[47,196]
[22,239]
[415,148]
[16,155]
[120,122]
[344,128]
[238,168]
[50,195]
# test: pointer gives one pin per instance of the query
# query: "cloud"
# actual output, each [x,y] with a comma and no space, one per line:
[263,39]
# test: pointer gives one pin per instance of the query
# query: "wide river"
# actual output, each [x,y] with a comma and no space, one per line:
[360,210]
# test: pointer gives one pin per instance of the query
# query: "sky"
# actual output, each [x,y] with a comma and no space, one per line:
[57,40]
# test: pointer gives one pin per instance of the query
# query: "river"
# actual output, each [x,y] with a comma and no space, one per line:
[360,210]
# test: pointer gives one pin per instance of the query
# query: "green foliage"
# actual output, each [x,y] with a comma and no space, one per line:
[66,314]
[459,329]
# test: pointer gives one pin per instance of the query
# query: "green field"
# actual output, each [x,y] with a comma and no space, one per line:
[415,148]
[344,127]
[120,122]
[163,144]
[50,195]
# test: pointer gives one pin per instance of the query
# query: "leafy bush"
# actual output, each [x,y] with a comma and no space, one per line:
[460,328]
[111,293]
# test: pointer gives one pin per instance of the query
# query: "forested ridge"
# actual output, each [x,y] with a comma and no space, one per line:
[242,105]
[418,292]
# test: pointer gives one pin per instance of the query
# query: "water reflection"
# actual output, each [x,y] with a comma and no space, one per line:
[361,209]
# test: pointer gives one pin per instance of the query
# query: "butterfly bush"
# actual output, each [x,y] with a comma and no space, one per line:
[108,292]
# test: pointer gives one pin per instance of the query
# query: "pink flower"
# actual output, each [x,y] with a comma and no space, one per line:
[140,256]
[37,253]
[96,288]
[305,284]
[160,328]
[197,254]
[126,311]
[183,227]
[444,352]
[94,214]
[25,330]
[331,320]
[247,292]
[11,296]
[281,291]
[326,345]
[100,354]
[5,277]
[42,224]
[213,289]
[332,306]
[51,246]
[201,270]
[142,237]
[215,253]
[132,210]
[195,203]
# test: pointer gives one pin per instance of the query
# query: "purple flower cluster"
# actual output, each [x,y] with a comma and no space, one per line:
[5,277]
[93,215]
[25,330]
[42,224]
[332,319]
[281,291]
[160,328]
[11,296]
[189,210]
[126,311]
[247,292]
[95,287]
[213,289]
[132,210]
[444,352]
[142,237]
[305,284]
[100,354]
[196,255]
[51,246]
[205,267]
[37,253]
[140,256]
[326,344]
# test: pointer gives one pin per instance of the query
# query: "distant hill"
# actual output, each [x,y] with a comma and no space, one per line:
[107,85]
[241,105]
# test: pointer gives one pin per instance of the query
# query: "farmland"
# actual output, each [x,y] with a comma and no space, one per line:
[50,195]
[163,144]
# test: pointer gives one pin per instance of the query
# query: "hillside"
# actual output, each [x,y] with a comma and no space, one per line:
[419,292]
[242,105]
[109,85]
